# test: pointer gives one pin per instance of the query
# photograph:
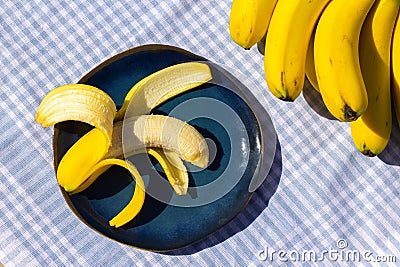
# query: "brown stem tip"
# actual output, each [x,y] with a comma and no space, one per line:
[368,153]
[287,99]
[349,114]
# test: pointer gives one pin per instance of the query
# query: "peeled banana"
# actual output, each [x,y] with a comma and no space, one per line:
[168,133]
[173,167]
[249,20]
[337,60]
[168,140]
[162,85]
[395,64]
[371,132]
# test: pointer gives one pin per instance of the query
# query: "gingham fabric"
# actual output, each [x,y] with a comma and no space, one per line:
[321,198]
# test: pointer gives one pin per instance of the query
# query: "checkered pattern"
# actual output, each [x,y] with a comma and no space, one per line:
[319,190]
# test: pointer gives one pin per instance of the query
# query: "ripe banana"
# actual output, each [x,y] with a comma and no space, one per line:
[371,132]
[289,32]
[83,161]
[166,139]
[337,60]
[310,66]
[163,85]
[75,165]
[78,102]
[396,68]
[249,20]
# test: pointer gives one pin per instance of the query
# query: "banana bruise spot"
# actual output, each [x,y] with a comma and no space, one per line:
[168,133]
[282,93]
[173,168]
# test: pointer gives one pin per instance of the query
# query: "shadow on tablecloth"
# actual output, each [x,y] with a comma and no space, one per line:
[391,153]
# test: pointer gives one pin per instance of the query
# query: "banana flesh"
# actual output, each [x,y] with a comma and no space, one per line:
[336,58]
[249,20]
[168,140]
[162,85]
[371,132]
[395,64]
[286,45]
[170,161]
[169,133]
[150,92]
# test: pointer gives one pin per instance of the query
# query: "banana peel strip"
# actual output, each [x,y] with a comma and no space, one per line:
[135,204]
[78,102]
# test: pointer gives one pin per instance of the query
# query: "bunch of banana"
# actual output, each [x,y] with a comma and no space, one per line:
[170,140]
[350,53]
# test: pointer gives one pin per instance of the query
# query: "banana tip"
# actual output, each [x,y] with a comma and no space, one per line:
[287,99]
[350,114]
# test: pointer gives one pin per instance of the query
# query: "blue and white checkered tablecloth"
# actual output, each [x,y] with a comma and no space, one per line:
[322,198]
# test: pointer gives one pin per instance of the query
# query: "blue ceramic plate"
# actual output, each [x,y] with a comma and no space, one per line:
[222,111]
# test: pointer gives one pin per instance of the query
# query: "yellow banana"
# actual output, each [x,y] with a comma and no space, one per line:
[163,85]
[249,20]
[286,45]
[396,68]
[173,167]
[337,60]
[371,132]
[87,159]
[310,66]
